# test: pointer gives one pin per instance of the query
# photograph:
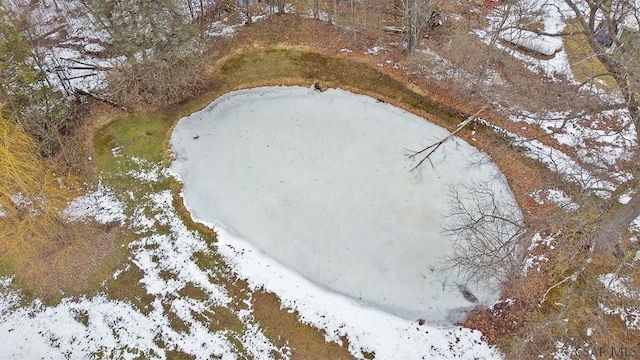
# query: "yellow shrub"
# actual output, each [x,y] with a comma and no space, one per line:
[33,232]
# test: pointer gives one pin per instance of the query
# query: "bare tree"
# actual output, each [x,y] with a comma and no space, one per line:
[163,45]
[417,14]
[246,10]
[602,23]
[138,28]
[569,291]
[606,18]
[427,151]
[486,232]
[159,80]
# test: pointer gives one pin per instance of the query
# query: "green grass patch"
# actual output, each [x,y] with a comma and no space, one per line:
[141,135]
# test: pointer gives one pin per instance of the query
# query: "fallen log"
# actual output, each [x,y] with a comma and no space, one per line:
[100,98]
[433,147]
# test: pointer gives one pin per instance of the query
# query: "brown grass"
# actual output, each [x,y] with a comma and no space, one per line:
[284,328]
[56,262]
[49,255]
[69,269]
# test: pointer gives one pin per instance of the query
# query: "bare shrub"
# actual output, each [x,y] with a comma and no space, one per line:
[48,121]
[157,80]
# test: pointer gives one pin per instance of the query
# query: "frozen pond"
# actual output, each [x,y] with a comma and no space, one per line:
[320,182]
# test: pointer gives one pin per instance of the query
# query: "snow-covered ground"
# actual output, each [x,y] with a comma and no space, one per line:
[505,22]
[85,327]
[75,55]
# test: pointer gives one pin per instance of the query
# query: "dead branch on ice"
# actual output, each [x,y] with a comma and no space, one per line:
[433,147]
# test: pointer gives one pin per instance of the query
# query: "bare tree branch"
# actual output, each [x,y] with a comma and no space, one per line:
[433,147]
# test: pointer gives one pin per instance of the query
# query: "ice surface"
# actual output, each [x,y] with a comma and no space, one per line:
[320,182]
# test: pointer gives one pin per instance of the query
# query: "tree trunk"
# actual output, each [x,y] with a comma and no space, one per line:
[610,231]
[412,28]
[332,19]
[246,10]
[281,4]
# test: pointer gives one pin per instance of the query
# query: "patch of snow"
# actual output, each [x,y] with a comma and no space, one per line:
[625,198]
[533,261]
[9,299]
[100,204]
[172,252]
[94,48]
[496,310]
[396,66]
[542,44]
[221,28]
[87,76]
[538,240]
[374,50]
[117,273]
[555,196]
[620,285]
[147,171]
[21,201]
[69,26]
[504,21]
[143,223]
[596,146]
[536,261]
[629,315]
[76,329]
[635,225]
[345,50]
[117,151]
[556,161]
[566,351]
